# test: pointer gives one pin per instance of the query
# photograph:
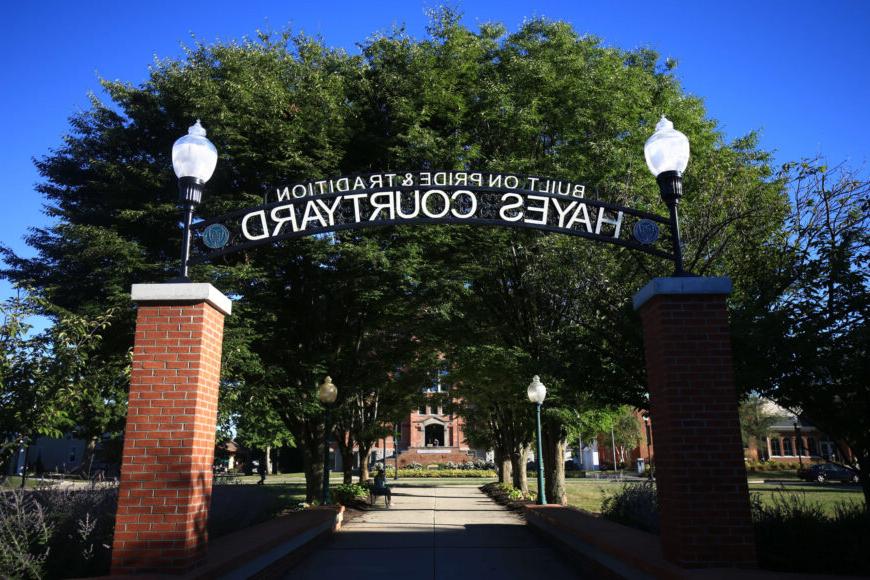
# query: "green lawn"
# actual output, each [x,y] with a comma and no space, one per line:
[789,474]
[589,494]
[14,482]
[828,495]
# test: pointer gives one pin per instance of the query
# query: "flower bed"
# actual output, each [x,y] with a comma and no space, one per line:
[506,495]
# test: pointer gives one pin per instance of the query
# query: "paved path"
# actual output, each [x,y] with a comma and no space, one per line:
[432,533]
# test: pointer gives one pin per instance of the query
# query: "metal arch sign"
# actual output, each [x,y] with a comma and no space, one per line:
[430,197]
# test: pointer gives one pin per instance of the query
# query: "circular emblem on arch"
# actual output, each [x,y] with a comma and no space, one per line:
[216,236]
[646,231]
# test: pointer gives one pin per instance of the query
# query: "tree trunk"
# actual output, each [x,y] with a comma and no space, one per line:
[345,447]
[347,464]
[506,469]
[502,465]
[519,476]
[364,450]
[554,463]
[524,474]
[88,459]
[267,457]
[312,461]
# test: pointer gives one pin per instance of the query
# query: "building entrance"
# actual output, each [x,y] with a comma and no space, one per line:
[435,436]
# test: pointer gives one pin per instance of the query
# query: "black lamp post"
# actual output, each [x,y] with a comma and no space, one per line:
[799,444]
[327,393]
[194,159]
[667,155]
[537,393]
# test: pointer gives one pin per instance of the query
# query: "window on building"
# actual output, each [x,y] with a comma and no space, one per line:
[786,447]
[812,448]
[422,409]
[774,446]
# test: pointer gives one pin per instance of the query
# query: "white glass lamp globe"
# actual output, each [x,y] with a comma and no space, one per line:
[327,392]
[537,391]
[193,155]
[667,149]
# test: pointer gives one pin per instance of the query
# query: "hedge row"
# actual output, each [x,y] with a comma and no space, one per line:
[441,473]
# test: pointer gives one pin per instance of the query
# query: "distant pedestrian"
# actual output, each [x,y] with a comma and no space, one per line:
[261,470]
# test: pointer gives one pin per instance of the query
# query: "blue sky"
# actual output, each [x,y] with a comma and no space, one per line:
[798,71]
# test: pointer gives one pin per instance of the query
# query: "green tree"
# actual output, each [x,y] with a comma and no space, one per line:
[815,358]
[52,380]
[492,396]
[755,421]
[624,433]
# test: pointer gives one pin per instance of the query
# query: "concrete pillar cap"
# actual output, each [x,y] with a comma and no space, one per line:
[682,285]
[184,292]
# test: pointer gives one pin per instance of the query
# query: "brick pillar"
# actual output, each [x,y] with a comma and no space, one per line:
[700,472]
[166,473]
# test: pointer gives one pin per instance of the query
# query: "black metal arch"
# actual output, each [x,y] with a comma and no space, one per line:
[637,230]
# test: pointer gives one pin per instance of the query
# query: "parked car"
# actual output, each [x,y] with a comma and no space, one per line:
[823,472]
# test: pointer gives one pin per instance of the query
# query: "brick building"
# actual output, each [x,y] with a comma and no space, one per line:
[428,434]
[603,449]
[792,438]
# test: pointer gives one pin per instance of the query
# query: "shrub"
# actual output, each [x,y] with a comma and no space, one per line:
[348,493]
[635,505]
[83,523]
[227,479]
[57,532]
[504,491]
[24,536]
[445,473]
[791,533]
[413,466]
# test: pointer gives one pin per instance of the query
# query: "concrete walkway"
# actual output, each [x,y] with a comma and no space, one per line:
[431,533]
